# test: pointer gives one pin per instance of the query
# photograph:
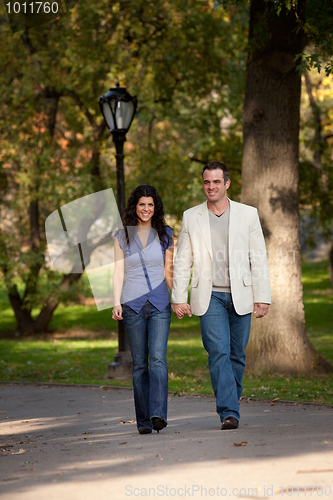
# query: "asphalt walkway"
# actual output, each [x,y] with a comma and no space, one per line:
[68,443]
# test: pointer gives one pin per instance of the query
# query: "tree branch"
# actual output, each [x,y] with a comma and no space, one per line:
[78,101]
[203,162]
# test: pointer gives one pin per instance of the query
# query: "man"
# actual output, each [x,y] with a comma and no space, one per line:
[222,242]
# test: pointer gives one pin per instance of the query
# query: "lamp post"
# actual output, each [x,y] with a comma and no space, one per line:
[118,108]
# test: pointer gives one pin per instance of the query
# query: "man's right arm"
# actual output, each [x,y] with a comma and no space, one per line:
[182,271]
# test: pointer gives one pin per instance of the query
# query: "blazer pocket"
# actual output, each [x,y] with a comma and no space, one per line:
[247,279]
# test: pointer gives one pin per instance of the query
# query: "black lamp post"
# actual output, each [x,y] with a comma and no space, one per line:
[118,108]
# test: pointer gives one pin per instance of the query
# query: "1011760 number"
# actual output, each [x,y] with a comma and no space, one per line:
[33,8]
[307,490]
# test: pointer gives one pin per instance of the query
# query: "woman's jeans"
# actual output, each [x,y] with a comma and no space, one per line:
[225,335]
[148,332]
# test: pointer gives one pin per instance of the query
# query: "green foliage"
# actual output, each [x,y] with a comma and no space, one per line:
[317,27]
[309,61]
[182,61]
[316,164]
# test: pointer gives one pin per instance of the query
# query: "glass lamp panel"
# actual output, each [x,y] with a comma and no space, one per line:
[108,116]
[124,114]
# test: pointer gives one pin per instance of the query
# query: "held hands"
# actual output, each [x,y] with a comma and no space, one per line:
[117,312]
[260,310]
[181,309]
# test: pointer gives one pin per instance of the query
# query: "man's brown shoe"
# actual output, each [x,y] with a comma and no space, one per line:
[229,423]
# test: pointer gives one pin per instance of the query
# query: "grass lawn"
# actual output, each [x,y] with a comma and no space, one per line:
[84,343]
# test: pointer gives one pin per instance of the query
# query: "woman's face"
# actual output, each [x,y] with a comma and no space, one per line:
[145,210]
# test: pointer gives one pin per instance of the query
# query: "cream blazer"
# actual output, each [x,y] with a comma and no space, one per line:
[248,267]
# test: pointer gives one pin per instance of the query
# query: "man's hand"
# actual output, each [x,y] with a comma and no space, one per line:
[260,310]
[181,309]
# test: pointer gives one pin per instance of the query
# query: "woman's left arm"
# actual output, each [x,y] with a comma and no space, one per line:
[168,266]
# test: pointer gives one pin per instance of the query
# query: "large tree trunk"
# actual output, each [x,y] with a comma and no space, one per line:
[279,341]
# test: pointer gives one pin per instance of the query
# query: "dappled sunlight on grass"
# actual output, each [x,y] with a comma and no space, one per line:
[315,389]
[56,360]
[315,275]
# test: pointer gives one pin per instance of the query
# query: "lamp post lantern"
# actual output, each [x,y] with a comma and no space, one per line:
[118,108]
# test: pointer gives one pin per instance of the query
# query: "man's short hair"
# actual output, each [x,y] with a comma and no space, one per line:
[214,165]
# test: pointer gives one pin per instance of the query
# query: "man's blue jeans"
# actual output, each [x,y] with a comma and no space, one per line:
[148,332]
[225,335]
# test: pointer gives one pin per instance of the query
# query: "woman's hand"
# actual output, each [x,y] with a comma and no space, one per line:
[181,309]
[117,312]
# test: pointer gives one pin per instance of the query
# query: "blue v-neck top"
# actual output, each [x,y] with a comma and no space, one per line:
[144,269]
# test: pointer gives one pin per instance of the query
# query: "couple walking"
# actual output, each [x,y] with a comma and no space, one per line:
[222,245]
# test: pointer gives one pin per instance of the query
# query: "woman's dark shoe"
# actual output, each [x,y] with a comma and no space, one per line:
[158,423]
[145,430]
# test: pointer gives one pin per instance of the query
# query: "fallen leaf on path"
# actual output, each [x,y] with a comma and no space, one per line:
[243,443]
[19,452]
[276,399]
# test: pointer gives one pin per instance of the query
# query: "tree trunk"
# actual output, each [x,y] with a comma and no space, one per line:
[24,320]
[279,341]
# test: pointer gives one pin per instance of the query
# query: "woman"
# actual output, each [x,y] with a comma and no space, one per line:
[144,248]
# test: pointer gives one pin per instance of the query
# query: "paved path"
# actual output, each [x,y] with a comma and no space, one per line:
[80,443]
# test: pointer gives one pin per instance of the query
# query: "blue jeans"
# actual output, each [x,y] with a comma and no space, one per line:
[225,335]
[148,332]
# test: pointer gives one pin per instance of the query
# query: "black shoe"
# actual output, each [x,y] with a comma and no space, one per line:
[158,423]
[229,423]
[145,430]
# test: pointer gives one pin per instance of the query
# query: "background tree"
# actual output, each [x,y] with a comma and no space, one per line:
[270,180]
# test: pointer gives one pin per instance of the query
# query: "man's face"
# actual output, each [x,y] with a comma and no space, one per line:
[214,187]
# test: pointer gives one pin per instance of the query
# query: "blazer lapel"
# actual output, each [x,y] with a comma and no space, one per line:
[233,224]
[203,221]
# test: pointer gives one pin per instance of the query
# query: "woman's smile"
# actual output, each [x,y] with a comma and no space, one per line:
[145,209]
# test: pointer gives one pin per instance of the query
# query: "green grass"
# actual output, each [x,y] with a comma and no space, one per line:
[84,360]
[67,361]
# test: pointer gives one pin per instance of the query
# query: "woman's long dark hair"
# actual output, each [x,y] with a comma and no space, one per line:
[158,220]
